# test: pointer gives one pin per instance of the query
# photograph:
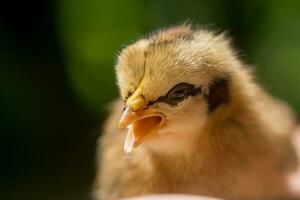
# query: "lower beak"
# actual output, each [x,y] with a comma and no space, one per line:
[141,125]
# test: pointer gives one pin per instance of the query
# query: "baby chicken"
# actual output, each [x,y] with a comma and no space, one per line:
[192,119]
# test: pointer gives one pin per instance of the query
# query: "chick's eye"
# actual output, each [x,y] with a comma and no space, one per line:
[178,93]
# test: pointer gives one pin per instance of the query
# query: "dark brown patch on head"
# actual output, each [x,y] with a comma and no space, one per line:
[218,94]
[171,34]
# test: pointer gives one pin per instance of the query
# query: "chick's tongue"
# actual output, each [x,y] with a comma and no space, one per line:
[138,130]
[144,127]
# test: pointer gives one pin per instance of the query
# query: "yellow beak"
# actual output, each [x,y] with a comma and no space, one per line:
[141,123]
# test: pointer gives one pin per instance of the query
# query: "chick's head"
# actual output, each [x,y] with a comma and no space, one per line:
[170,83]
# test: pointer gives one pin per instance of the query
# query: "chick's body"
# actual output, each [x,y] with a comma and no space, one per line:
[231,140]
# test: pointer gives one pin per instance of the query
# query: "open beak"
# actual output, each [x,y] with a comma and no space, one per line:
[141,124]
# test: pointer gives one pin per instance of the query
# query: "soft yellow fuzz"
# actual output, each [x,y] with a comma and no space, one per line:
[237,149]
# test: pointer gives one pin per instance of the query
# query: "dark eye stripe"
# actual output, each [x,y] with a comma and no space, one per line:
[174,96]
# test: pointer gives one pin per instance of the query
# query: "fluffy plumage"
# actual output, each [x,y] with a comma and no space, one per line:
[231,140]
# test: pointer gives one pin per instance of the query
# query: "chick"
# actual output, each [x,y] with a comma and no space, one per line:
[191,119]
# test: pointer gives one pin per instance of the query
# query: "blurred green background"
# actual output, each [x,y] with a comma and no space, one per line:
[56,76]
